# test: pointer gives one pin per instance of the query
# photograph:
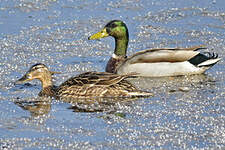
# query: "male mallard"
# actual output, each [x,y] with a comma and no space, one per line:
[153,62]
[86,85]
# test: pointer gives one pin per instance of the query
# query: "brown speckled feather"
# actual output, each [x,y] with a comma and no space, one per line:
[96,84]
[48,91]
[86,85]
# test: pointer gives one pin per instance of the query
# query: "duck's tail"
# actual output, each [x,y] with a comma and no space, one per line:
[140,94]
[205,59]
[209,62]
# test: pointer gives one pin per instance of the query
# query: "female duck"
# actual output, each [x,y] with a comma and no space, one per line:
[153,62]
[86,85]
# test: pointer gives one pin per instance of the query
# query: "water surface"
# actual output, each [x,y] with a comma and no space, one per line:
[184,113]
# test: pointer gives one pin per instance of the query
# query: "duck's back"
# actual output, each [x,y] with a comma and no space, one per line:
[168,62]
[97,84]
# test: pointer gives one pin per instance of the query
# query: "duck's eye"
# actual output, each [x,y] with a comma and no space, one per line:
[113,25]
[33,69]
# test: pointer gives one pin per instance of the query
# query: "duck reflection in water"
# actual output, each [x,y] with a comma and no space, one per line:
[41,106]
[36,107]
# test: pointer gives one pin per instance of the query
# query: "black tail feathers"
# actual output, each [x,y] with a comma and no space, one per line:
[202,57]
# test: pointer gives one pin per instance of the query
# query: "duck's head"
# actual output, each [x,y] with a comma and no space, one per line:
[115,28]
[38,71]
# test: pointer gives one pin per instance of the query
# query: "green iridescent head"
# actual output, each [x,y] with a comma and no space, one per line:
[115,28]
[119,31]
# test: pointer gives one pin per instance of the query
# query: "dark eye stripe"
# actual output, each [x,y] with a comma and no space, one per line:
[37,67]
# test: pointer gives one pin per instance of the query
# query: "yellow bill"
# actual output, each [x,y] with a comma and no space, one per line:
[103,33]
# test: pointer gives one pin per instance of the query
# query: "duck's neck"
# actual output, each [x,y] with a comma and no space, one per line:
[47,86]
[121,45]
[48,91]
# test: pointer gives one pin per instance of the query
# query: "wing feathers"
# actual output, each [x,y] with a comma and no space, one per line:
[160,55]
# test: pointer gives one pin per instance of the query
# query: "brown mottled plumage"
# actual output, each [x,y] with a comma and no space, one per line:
[86,85]
[49,91]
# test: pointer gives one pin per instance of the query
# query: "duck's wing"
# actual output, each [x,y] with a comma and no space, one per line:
[98,84]
[90,79]
[103,78]
[168,62]
[164,55]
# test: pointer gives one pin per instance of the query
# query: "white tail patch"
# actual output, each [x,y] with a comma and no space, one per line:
[140,94]
[209,62]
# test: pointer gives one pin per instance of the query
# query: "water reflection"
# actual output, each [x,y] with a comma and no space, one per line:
[37,107]
[174,83]
[42,105]
[109,105]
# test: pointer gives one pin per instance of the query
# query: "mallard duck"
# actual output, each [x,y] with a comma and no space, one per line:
[86,85]
[153,62]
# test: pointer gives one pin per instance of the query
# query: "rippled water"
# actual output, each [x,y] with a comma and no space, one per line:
[184,113]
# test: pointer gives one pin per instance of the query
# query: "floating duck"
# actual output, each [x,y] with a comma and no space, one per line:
[86,85]
[156,62]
